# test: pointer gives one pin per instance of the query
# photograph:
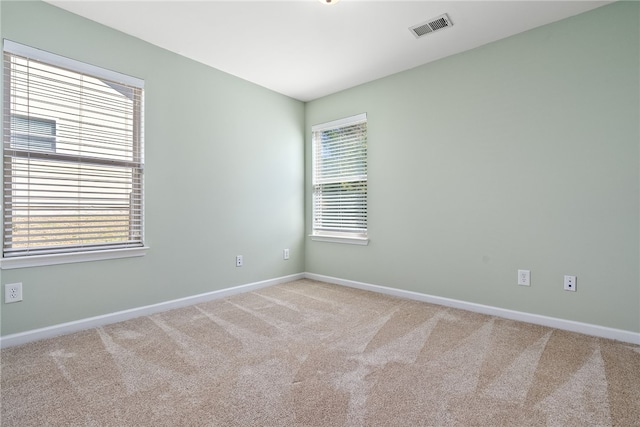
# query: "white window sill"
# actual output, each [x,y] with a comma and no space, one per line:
[341,239]
[54,259]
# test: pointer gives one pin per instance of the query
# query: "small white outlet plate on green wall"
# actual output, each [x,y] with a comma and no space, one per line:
[570,283]
[524,277]
[12,292]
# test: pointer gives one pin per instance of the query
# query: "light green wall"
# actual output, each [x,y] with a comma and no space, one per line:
[521,154]
[224,176]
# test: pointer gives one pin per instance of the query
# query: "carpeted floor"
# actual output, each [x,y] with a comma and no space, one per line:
[312,354]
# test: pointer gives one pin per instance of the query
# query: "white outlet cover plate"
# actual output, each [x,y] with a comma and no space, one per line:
[524,277]
[570,283]
[8,297]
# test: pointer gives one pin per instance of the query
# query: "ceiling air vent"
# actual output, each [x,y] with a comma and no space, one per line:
[431,25]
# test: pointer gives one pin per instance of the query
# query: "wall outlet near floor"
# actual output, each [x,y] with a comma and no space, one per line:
[285,254]
[239,261]
[570,283]
[12,292]
[524,277]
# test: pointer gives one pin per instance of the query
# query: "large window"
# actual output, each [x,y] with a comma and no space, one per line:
[340,180]
[72,156]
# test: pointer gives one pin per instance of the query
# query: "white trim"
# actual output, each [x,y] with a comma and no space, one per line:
[358,118]
[552,322]
[341,239]
[68,258]
[119,316]
[64,62]
[92,322]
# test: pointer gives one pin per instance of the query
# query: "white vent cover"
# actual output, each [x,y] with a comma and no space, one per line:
[431,25]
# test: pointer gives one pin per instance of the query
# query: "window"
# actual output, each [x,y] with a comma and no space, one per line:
[340,180]
[72,156]
[31,133]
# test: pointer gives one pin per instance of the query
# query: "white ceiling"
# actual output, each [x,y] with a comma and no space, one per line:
[305,49]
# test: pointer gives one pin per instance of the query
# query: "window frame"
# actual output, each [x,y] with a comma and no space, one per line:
[78,254]
[355,237]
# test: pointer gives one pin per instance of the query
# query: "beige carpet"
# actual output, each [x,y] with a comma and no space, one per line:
[312,354]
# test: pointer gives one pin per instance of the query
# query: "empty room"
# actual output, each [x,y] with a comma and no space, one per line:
[320,213]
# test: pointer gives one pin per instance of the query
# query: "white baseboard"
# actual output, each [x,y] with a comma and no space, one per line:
[119,316]
[567,325]
[92,322]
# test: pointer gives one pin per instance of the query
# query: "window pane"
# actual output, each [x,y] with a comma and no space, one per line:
[32,133]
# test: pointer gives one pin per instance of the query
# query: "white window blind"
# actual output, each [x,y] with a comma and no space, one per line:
[72,155]
[340,178]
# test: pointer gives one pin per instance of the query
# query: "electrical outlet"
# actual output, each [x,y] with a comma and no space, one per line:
[239,261]
[524,277]
[285,254]
[570,283]
[12,292]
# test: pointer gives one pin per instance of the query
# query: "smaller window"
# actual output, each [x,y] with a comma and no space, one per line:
[340,180]
[33,134]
